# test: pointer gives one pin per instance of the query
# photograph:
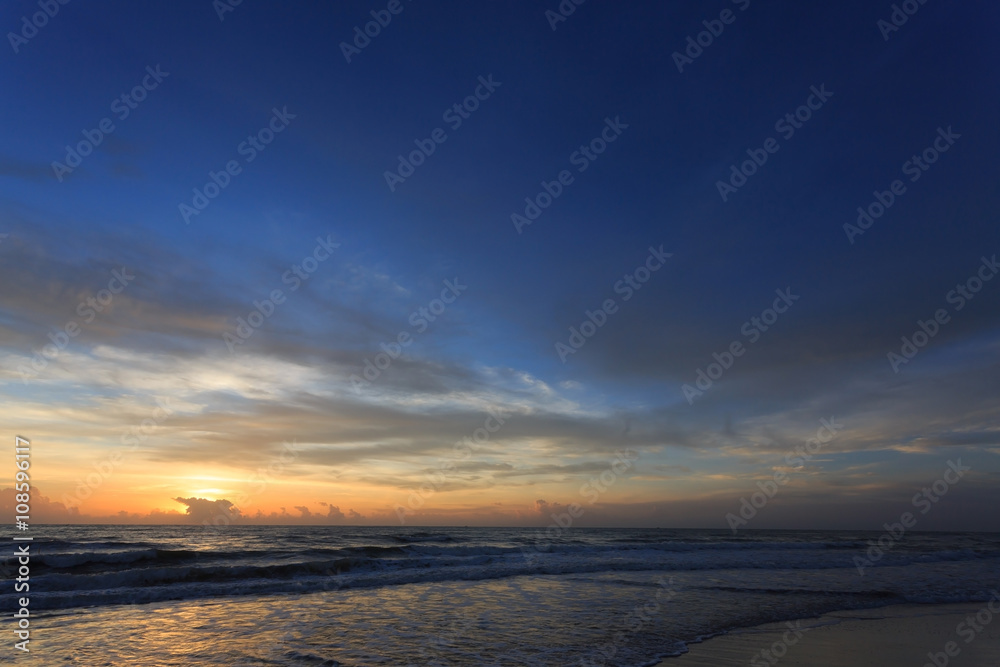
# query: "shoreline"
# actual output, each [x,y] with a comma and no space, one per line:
[965,634]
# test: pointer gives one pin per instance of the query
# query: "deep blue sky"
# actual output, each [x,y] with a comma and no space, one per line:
[655,185]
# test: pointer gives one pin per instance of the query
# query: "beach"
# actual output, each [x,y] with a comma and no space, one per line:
[904,635]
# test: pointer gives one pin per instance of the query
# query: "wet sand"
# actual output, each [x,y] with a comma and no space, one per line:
[902,635]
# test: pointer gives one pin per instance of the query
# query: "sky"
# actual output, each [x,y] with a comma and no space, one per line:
[502,263]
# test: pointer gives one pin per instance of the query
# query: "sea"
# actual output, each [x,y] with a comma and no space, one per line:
[348,595]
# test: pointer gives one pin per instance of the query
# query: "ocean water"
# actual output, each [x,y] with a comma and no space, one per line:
[321,595]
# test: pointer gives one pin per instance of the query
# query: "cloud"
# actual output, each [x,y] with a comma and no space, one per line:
[201,510]
[163,338]
[44,510]
[333,512]
[35,172]
[853,502]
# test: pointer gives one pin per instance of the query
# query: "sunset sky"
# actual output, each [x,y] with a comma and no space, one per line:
[138,298]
